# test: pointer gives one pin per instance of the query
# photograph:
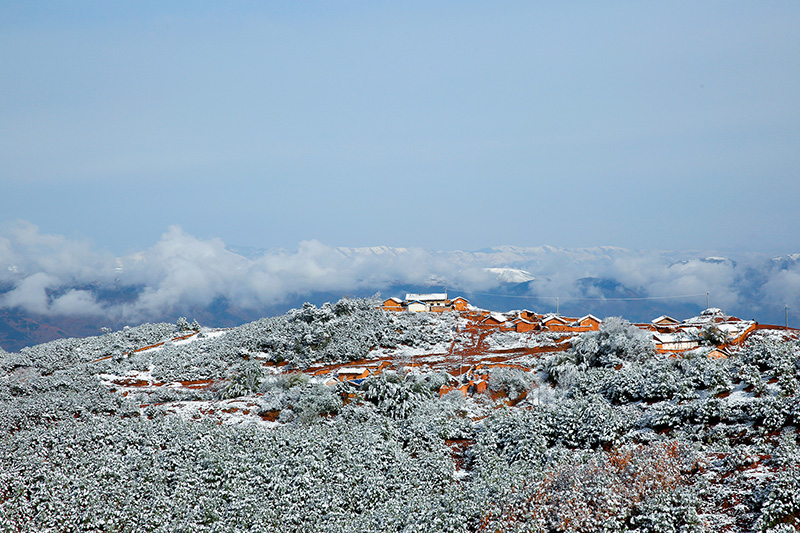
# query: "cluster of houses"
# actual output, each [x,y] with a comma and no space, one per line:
[669,334]
[436,302]
[712,327]
[520,321]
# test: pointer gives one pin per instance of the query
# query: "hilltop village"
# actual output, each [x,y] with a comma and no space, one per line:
[669,335]
[473,355]
[477,342]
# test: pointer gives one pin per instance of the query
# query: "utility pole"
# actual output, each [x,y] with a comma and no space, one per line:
[786,316]
[707,306]
[556,305]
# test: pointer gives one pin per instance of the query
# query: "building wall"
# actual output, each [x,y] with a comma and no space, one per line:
[523,327]
[391,305]
[460,305]
[592,325]
[417,307]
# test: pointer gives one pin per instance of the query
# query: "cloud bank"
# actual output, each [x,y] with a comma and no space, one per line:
[53,275]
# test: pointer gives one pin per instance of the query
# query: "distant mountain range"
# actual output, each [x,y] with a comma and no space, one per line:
[45,295]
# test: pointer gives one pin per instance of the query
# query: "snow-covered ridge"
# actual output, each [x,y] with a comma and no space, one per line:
[511,275]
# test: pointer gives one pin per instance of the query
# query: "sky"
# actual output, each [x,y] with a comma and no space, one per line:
[441,125]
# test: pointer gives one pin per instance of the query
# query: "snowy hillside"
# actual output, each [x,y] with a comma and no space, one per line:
[345,417]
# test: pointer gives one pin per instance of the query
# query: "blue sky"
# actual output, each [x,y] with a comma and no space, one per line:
[445,125]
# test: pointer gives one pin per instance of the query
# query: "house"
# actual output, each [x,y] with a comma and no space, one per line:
[689,330]
[669,342]
[521,325]
[718,353]
[494,319]
[665,320]
[470,387]
[417,306]
[392,304]
[350,373]
[459,303]
[555,323]
[589,322]
[436,300]
[479,386]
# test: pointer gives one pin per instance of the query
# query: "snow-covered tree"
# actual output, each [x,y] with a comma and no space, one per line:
[617,341]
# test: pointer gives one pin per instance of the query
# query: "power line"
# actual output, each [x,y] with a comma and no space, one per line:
[633,298]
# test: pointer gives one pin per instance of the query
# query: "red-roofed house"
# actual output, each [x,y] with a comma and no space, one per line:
[459,303]
[589,323]
[392,304]
[521,325]
[494,319]
[555,323]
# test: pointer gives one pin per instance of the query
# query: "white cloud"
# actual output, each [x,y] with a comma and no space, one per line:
[28,251]
[75,302]
[30,293]
[180,270]
[51,274]
[784,289]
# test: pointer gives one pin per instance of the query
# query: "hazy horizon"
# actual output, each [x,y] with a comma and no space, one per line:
[54,275]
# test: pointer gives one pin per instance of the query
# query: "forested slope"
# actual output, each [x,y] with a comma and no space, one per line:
[606,435]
